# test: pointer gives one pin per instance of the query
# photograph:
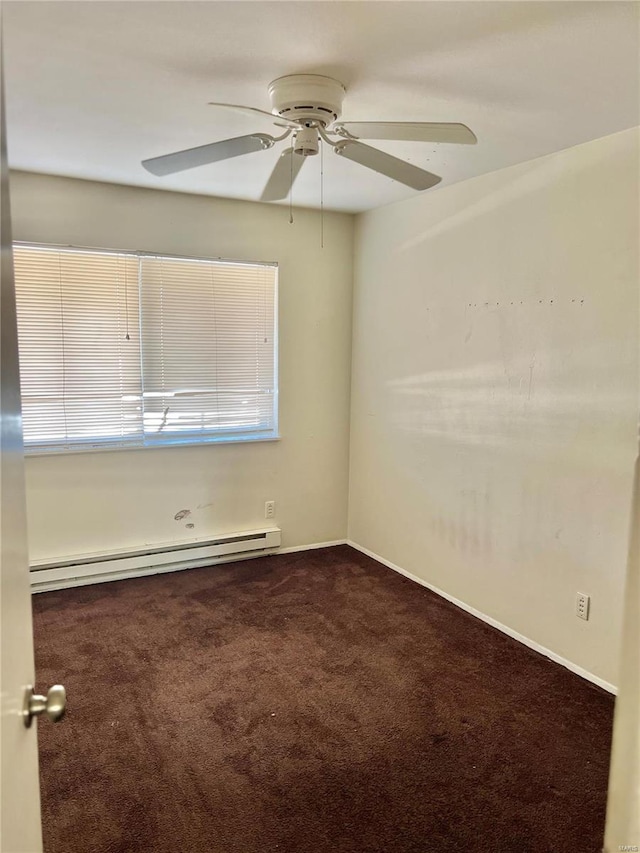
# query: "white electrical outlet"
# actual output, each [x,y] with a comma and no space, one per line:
[269,509]
[582,606]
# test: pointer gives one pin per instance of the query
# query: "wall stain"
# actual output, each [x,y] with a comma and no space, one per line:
[183,513]
[532,366]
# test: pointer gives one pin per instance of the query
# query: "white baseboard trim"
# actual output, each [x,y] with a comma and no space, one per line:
[578,670]
[312,546]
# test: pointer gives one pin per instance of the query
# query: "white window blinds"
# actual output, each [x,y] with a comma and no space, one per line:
[207,347]
[125,349]
[79,374]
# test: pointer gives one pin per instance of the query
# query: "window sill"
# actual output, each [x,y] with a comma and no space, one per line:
[96,448]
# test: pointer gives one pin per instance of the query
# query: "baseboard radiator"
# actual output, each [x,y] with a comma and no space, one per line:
[82,569]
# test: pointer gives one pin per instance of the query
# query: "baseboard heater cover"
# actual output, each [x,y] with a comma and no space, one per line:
[83,569]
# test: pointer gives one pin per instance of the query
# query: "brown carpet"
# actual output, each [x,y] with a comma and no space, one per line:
[308,703]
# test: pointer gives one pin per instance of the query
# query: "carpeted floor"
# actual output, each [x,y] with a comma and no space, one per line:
[308,703]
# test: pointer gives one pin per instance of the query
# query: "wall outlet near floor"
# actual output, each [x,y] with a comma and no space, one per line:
[269,509]
[582,606]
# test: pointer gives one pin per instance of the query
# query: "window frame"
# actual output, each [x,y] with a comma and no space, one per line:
[241,436]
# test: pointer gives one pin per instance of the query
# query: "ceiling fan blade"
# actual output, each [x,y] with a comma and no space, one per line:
[281,122]
[284,174]
[204,154]
[385,164]
[410,131]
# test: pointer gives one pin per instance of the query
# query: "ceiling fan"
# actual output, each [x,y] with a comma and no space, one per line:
[308,107]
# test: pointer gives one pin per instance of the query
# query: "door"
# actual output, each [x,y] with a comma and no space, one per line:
[623,807]
[20,795]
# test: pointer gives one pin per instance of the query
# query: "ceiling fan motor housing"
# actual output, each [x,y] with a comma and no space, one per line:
[307,98]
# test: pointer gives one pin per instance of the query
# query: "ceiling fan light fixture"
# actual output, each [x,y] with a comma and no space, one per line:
[306,142]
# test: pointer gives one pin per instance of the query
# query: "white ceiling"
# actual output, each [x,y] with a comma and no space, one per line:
[94,87]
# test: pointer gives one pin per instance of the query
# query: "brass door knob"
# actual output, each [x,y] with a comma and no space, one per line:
[53,704]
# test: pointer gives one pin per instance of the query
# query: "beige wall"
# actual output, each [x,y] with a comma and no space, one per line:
[90,502]
[494,392]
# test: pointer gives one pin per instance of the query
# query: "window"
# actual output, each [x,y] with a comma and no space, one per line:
[124,349]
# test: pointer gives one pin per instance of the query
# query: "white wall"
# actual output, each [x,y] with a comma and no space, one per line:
[494,392]
[95,501]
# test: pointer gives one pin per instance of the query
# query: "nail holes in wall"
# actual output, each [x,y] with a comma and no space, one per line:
[497,304]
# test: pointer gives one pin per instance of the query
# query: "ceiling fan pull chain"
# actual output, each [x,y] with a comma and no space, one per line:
[321,194]
[291,190]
